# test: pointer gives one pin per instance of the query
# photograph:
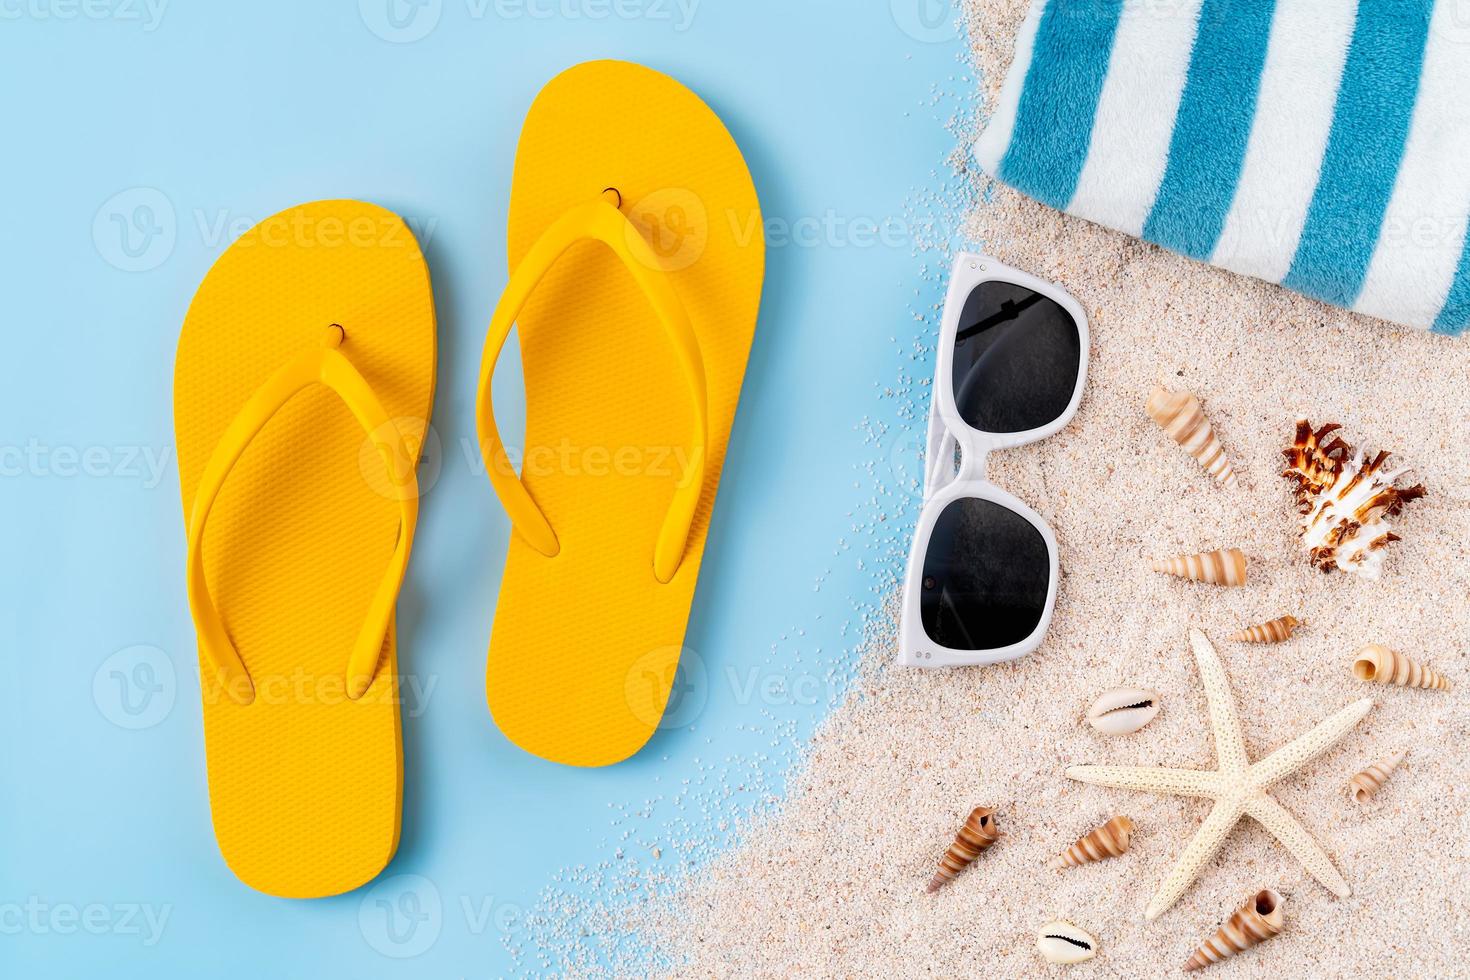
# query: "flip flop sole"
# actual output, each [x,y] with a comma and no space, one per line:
[585,646]
[304,783]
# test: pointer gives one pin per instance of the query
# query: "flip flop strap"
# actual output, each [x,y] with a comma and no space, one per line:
[328,366]
[600,221]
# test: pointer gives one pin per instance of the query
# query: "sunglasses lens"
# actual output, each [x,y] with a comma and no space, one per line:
[1017,355]
[986,575]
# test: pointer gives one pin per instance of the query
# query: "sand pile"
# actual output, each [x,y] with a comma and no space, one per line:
[833,881]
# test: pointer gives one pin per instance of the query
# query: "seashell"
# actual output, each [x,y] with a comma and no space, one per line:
[1062,942]
[1381,665]
[1257,920]
[976,835]
[1343,498]
[1109,840]
[1180,415]
[1225,567]
[1312,461]
[1123,710]
[1278,630]
[1366,783]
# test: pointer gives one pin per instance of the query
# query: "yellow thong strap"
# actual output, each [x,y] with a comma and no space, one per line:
[599,220]
[326,365]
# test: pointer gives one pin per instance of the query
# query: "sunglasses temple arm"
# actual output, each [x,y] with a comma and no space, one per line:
[939,457]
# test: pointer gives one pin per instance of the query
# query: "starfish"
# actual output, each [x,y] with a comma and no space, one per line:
[1238,786]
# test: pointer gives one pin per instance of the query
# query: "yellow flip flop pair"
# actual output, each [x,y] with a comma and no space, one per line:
[303,386]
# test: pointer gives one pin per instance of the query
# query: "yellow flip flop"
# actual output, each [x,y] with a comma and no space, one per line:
[637,253]
[302,388]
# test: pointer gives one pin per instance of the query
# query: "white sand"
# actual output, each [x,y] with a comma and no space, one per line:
[832,882]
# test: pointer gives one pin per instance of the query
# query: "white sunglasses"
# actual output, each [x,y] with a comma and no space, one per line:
[982,574]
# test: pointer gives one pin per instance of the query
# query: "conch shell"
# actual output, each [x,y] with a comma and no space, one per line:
[1381,665]
[1216,567]
[1180,415]
[1278,630]
[1256,921]
[1123,710]
[1062,942]
[1343,498]
[1366,783]
[976,835]
[1109,840]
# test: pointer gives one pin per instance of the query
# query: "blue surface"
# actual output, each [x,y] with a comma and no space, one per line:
[138,147]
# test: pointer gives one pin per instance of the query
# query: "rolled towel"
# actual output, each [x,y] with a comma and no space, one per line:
[1319,144]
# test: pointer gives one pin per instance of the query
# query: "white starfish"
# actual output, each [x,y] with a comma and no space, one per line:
[1238,786]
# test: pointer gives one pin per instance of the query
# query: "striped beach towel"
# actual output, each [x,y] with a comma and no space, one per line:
[1320,144]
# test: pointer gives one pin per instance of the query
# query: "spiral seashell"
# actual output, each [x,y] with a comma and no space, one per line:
[1278,630]
[1256,921]
[1062,942]
[1225,567]
[976,835]
[1123,710]
[1109,840]
[1366,783]
[1180,415]
[1381,665]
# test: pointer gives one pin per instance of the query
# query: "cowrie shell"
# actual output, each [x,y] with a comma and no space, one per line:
[1123,710]
[1062,942]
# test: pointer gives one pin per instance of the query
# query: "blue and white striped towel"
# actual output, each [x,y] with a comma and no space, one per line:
[1320,144]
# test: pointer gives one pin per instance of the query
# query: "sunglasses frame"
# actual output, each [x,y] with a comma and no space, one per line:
[944,484]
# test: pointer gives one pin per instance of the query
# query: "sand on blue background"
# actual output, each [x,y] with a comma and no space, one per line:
[831,880]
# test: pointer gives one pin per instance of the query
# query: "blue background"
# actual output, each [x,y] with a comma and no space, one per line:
[183,130]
